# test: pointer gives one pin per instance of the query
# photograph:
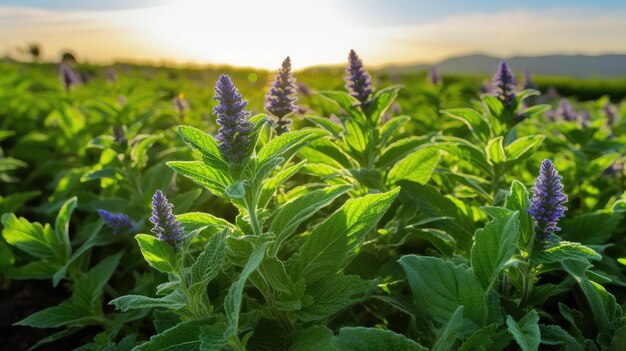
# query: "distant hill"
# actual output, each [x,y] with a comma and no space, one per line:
[566,65]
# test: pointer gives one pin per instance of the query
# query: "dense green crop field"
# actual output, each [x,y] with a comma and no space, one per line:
[152,209]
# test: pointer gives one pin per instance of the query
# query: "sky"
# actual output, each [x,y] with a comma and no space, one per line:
[258,33]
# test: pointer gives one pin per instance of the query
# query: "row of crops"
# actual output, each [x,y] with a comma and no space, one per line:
[143,209]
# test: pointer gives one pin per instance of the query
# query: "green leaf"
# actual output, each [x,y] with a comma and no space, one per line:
[199,220]
[172,301]
[399,149]
[15,201]
[454,328]
[326,123]
[495,151]
[314,338]
[285,145]
[380,103]
[566,250]
[207,176]
[293,213]
[488,338]
[392,125]
[334,294]
[493,246]
[272,184]
[464,151]
[205,143]
[555,335]
[157,253]
[32,238]
[139,152]
[95,240]
[88,289]
[439,287]
[519,200]
[526,331]
[62,226]
[346,102]
[374,339]
[476,122]
[67,313]
[416,167]
[523,147]
[355,138]
[592,227]
[332,244]
[209,262]
[185,336]
[232,302]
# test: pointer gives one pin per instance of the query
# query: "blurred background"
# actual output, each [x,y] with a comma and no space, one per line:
[575,38]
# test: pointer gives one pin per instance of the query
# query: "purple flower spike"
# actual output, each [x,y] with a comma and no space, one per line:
[611,114]
[585,119]
[358,81]
[433,76]
[233,137]
[566,111]
[546,205]
[69,76]
[504,85]
[282,98]
[166,227]
[119,222]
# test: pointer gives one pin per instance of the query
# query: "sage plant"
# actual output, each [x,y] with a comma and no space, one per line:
[281,99]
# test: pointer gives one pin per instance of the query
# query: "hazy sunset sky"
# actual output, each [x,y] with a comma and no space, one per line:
[261,33]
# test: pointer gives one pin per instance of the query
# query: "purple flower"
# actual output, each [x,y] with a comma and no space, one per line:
[358,81]
[611,114]
[528,80]
[166,227]
[552,93]
[566,111]
[281,100]
[546,205]
[433,76]
[111,75]
[504,85]
[118,222]
[69,76]
[585,119]
[233,137]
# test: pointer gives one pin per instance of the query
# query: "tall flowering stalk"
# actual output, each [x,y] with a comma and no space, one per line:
[358,80]
[504,85]
[118,222]
[528,80]
[166,227]
[281,100]
[566,111]
[69,76]
[433,76]
[546,205]
[611,114]
[233,137]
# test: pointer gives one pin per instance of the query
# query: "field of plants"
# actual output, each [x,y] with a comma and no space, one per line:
[148,208]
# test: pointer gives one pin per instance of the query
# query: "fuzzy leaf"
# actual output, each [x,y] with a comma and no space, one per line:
[157,253]
[416,167]
[526,331]
[331,245]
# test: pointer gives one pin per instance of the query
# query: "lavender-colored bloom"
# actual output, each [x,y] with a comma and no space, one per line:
[69,76]
[233,137]
[358,81]
[281,100]
[528,80]
[566,111]
[303,89]
[166,227]
[118,222]
[616,168]
[333,118]
[111,75]
[611,114]
[485,87]
[585,119]
[546,205]
[433,76]
[504,85]
[552,93]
